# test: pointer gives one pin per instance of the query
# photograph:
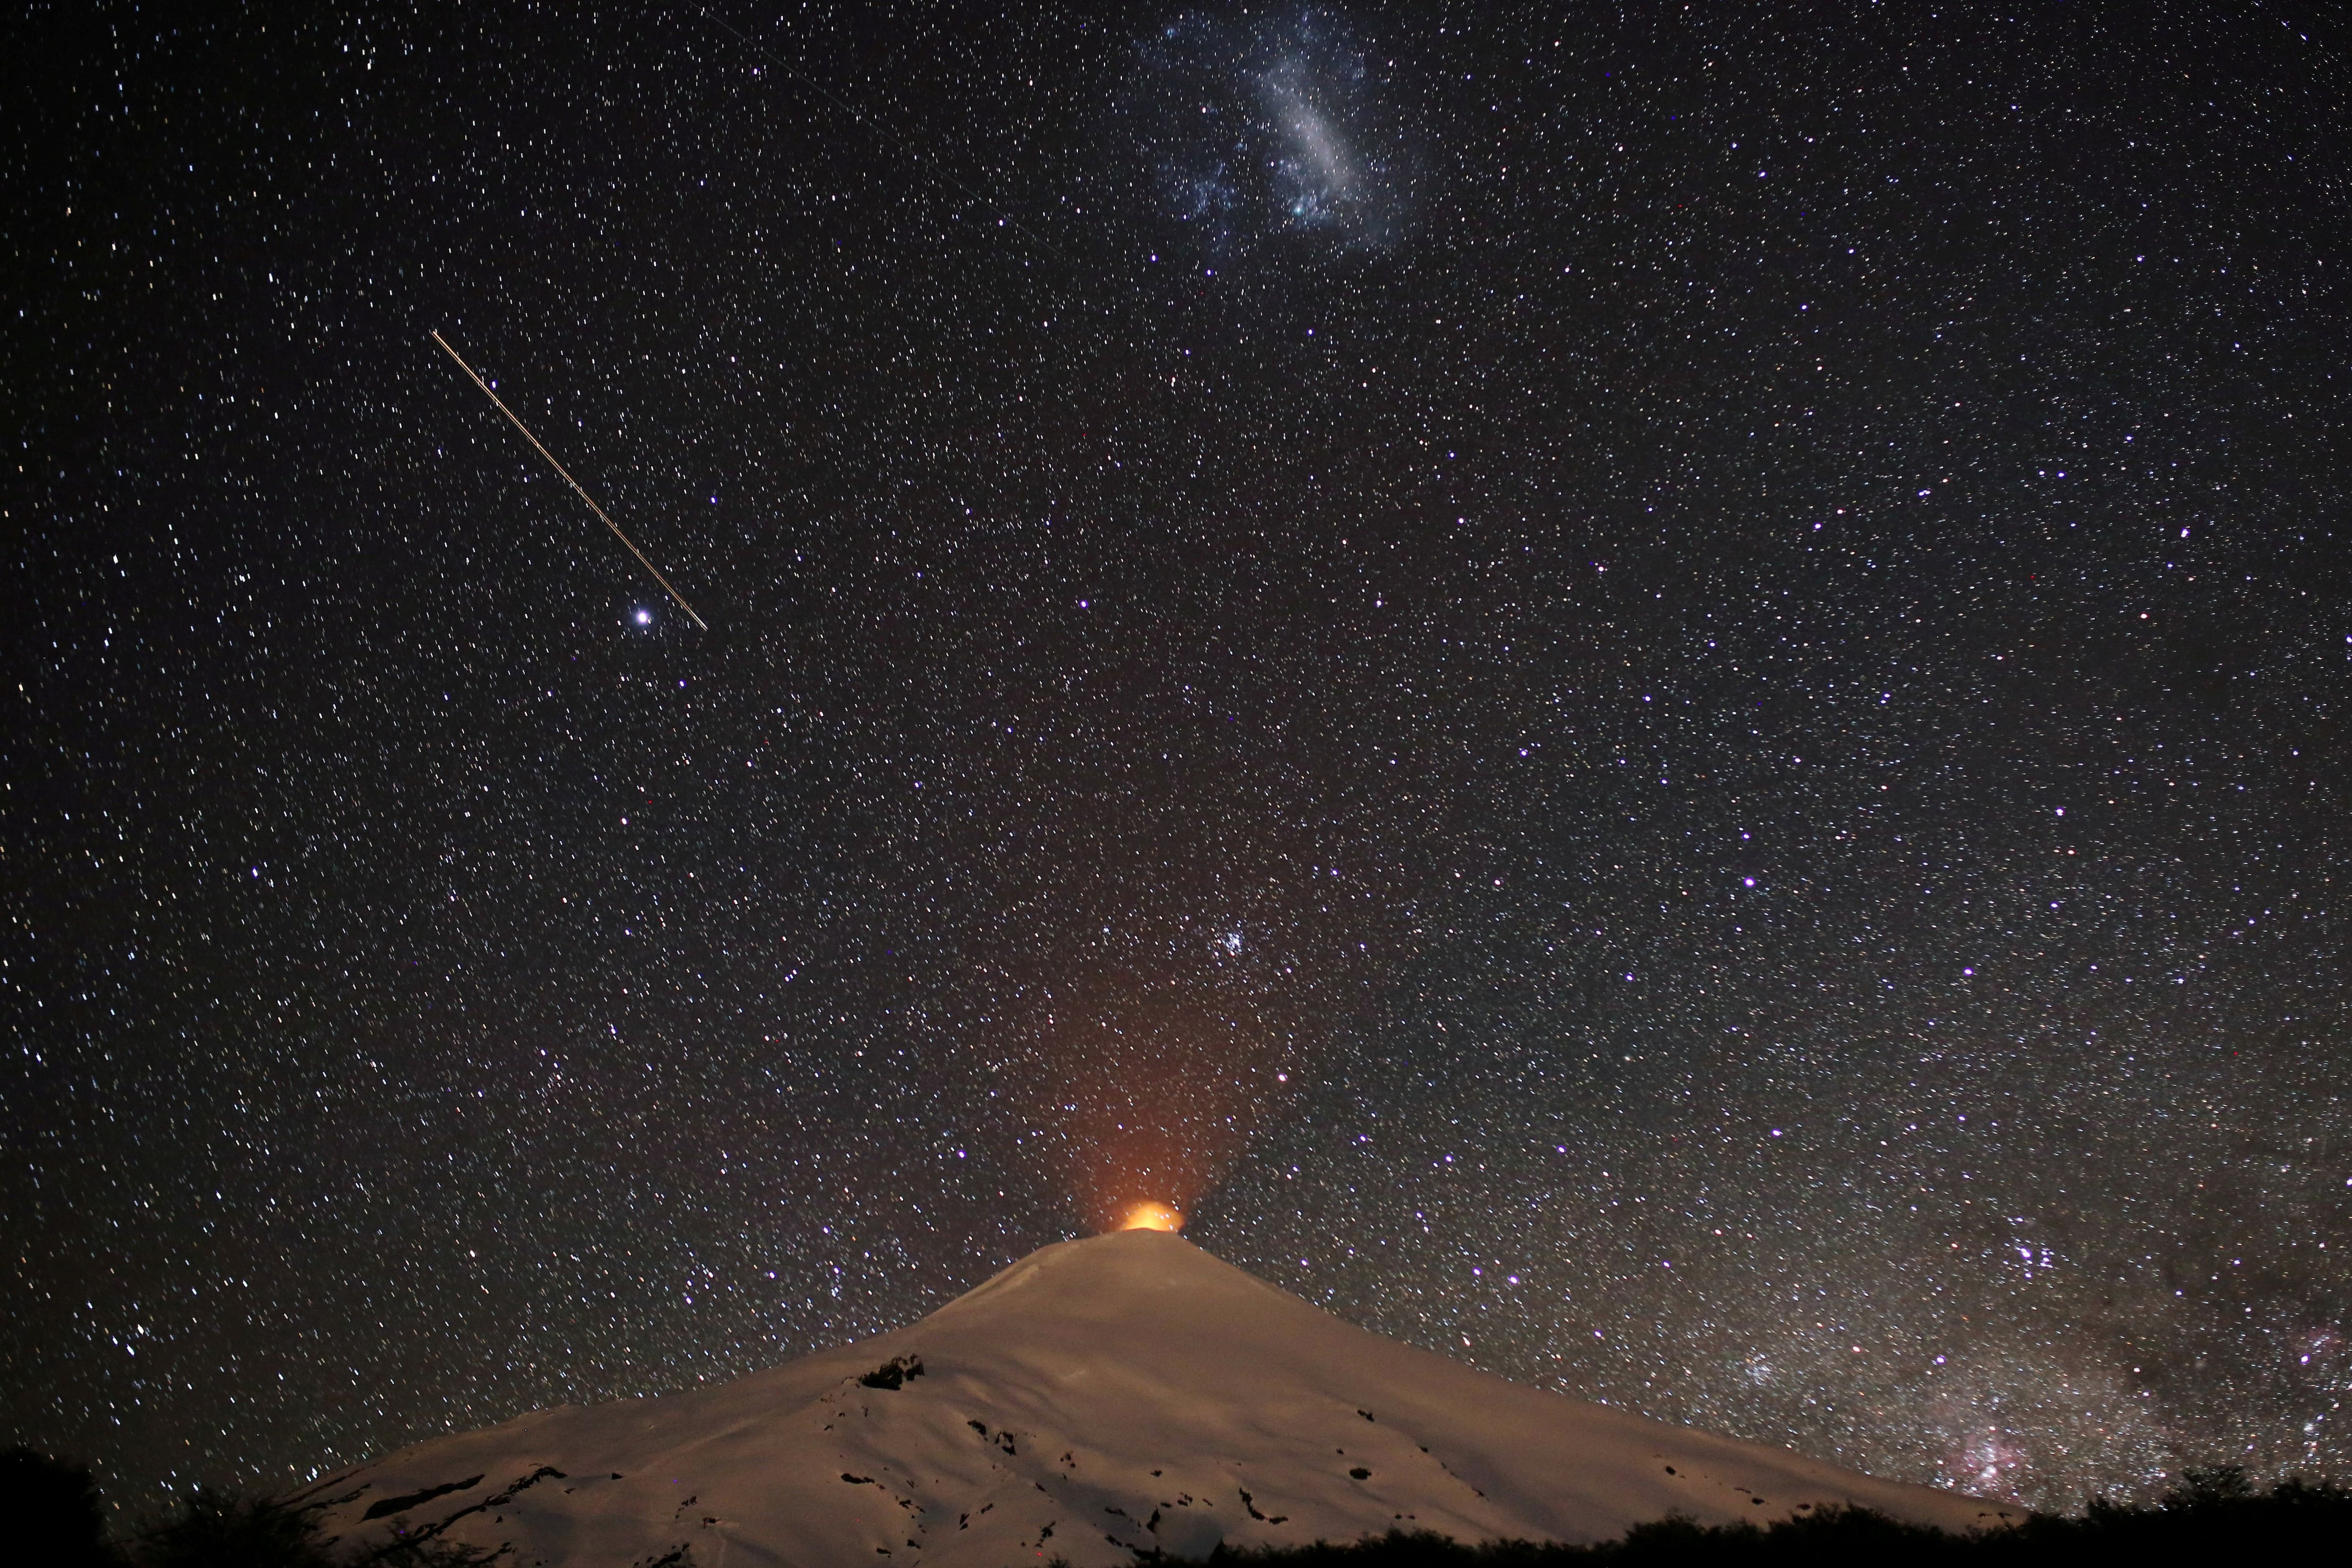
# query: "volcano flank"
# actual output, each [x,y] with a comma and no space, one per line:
[1120,1395]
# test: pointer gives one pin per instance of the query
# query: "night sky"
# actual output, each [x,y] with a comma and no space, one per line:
[1654,694]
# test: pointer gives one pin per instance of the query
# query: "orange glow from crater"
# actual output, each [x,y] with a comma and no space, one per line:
[1147,1088]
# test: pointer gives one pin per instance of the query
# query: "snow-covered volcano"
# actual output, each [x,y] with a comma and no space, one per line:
[1124,1393]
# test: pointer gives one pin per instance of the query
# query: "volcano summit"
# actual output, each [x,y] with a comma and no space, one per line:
[1120,1395]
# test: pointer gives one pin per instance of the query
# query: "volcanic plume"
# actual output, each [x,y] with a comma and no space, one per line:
[1152,1086]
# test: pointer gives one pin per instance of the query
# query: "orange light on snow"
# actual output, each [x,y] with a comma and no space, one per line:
[1153,1217]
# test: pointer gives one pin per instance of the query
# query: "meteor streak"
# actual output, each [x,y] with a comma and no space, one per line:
[568,479]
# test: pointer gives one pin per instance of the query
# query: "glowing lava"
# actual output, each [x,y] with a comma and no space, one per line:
[1153,1217]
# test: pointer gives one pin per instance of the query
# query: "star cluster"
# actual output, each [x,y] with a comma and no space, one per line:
[1654,696]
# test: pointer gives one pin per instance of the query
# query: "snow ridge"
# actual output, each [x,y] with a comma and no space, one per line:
[1101,1398]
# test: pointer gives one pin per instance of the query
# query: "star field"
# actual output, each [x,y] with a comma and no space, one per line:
[1653,697]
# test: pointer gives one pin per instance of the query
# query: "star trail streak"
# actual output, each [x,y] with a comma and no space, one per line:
[651,569]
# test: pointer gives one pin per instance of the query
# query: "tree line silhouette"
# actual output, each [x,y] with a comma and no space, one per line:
[51,1517]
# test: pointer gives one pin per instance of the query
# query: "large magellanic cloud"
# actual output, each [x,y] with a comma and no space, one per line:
[1262,136]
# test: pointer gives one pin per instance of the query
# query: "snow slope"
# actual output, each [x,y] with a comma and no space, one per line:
[1126,1392]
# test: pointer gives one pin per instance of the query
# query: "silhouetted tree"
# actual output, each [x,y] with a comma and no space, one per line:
[214,1530]
[50,1511]
[2204,1488]
[2214,1515]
